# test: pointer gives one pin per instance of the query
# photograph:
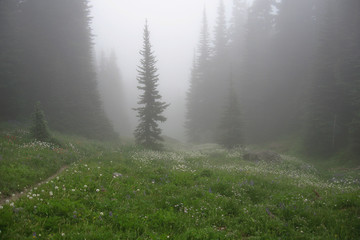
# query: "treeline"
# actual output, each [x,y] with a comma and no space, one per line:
[46,56]
[294,67]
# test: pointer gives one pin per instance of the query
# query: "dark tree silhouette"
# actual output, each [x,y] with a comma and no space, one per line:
[39,129]
[196,96]
[229,132]
[46,55]
[148,133]
[333,122]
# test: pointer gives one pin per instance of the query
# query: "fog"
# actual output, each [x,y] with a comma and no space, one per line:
[234,73]
[175,30]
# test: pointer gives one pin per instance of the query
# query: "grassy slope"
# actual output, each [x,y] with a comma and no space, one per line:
[25,162]
[202,194]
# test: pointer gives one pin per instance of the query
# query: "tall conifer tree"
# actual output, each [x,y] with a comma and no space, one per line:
[148,133]
[229,132]
[192,125]
[219,67]
[334,108]
[196,97]
[253,85]
[49,59]
[9,51]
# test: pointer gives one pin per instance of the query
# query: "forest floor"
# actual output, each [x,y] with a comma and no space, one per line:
[112,191]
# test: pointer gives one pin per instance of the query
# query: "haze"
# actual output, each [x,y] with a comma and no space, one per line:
[179,119]
[234,73]
[174,28]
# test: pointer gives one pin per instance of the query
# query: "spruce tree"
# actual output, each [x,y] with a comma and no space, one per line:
[237,36]
[255,80]
[49,59]
[192,125]
[220,31]
[39,129]
[150,112]
[292,48]
[333,114]
[229,132]
[196,129]
[9,51]
[215,87]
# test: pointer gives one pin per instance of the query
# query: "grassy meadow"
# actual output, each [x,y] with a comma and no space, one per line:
[113,191]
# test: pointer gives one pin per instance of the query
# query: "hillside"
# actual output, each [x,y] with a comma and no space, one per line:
[110,191]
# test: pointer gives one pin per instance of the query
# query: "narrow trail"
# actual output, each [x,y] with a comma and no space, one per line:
[17,195]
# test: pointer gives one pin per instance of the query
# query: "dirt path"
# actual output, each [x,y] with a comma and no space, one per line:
[17,195]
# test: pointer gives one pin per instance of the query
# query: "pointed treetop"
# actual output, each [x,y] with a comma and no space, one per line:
[220,30]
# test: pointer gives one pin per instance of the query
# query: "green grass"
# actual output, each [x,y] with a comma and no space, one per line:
[206,193]
[25,161]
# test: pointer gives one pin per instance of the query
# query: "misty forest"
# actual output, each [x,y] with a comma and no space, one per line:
[216,119]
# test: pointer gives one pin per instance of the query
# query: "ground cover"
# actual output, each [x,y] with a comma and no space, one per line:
[201,193]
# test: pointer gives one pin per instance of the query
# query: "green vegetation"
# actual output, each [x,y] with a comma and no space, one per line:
[25,161]
[110,191]
[149,112]
[39,130]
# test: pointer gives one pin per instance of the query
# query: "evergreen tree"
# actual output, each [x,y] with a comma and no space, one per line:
[255,81]
[229,132]
[48,58]
[39,129]
[221,36]
[292,61]
[237,37]
[355,134]
[352,70]
[9,51]
[196,129]
[204,52]
[333,115]
[215,86]
[192,124]
[148,132]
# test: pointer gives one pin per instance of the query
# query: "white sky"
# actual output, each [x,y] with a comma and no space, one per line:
[174,32]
